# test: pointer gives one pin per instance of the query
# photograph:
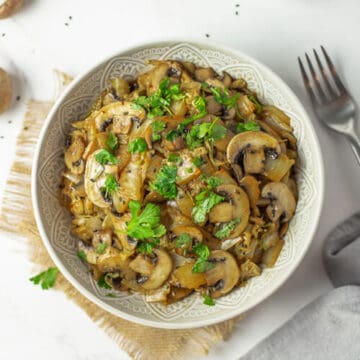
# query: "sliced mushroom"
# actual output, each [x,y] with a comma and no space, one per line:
[74,152]
[239,201]
[177,294]
[194,233]
[238,84]
[252,146]
[120,86]
[202,74]
[113,260]
[223,212]
[226,79]
[94,180]
[121,115]
[246,106]
[282,202]
[224,276]
[251,186]
[9,7]
[6,90]
[155,270]
[185,278]
[159,294]
[184,202]
[212,106]
[214,83]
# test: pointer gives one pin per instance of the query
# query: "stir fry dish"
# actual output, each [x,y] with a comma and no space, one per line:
[179,181]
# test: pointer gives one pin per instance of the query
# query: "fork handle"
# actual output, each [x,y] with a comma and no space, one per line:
[355,144]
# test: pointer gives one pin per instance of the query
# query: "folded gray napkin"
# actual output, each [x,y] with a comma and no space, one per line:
[329,327]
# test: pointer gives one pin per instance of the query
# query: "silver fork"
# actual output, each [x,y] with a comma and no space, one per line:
[330,100]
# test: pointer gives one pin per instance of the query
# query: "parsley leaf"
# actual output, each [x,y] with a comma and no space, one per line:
[183,241]
[81,254]
[198,161]
[147,224]
[204,131]
[102,283]
[248,126]
[201,264]
[204,202]
[138,145]
[110,185]
[101,248]
[157,127]
[226,229]
[259,107]
[222,97]
[174,158]
[46,278]
[105,157]
[146,247]
[165,182]
[158,103]
[112,141]
[213,182]
[208,300]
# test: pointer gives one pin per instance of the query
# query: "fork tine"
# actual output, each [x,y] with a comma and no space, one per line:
[307,82]
[324,76]
[335,76]
[316,79]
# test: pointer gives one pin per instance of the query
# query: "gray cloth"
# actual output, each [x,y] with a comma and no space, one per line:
[329,327]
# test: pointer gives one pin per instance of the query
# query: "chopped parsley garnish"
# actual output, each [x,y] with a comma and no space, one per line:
[101,248]
[165,182]
[46,278]
[204,202]
[174,158]
[203,253]
[226,229]
[103,284]
[147,224]
[213,182]
[204,131]
[222,97]
[146,247]
[112,141]
[105,157]
[198,161]
[200,104]
[158,103]
[138,145]
[157,127]
[183,241]
[259,107]
[208,300]
[81,254]
[110,185]
[248,126]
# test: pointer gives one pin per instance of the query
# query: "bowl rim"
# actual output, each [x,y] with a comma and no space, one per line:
[133,318]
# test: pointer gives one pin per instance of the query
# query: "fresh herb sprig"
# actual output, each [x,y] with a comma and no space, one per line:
[248,126]
[144,225]
[202,264]
[46,278]
[204,202]
[226,229]
[104,157]
[165,182]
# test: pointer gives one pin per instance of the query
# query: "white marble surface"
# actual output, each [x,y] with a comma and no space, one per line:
[38,325]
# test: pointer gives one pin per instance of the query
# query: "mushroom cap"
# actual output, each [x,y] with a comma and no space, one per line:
[240,203]
[121,114]
[282,205]
[6,90]
[254,139]
[224,276]
[157,272]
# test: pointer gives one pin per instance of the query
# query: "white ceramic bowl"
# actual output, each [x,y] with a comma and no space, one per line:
[54,221]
